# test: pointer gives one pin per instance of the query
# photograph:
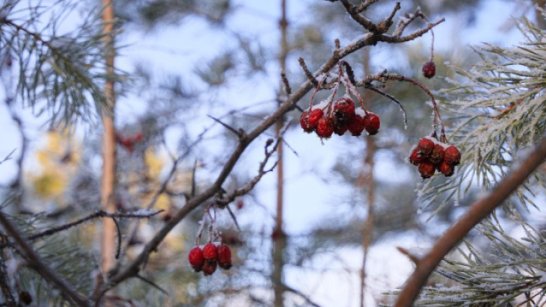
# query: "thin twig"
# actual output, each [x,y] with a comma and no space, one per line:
[478,211]
[97,214]
[287,88]
[307,72]
[153,284]
[238,132]
[300,294]
[404,113]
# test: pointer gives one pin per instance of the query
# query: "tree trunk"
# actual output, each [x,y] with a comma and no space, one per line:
[279,237]
[108,182]
[366,182]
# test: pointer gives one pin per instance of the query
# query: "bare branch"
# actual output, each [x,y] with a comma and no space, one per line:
[363,21]
[133,268]
[477,212]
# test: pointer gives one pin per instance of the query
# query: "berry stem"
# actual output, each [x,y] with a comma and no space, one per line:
[437,121]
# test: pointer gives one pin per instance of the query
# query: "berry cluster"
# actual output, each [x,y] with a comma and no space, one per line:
[206,259]
[339,117]
[431,155]
[129,142]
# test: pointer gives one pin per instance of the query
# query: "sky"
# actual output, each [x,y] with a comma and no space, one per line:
[308,199]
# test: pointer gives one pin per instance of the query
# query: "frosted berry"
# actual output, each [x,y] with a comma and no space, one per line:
[416,157]
[446,169]
[437,154]
[209,267]
[196,259]
[309,120]
[452,155]
[426,146]
[344,111]
[426,169]
[325,127]
[224,257]
[429,69]
[371,123]
[210,251]
[356,126]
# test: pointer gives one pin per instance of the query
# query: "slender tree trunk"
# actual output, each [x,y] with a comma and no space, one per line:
[367,182]
[279,237]
[108,182]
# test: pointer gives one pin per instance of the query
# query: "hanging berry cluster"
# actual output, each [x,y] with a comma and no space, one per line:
[206,259]
[340,115]
[430,155]
[214,253]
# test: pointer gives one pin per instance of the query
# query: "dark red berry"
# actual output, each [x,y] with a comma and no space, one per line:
[446,168]
[325,127]
[344,111]
[309,120]
[356,126]
[209,267]
[429,69]
[416,157]
[426,169]
[452,155]
[437,154]
[210,251]
[426,146]
[340,128]
[196,258]
[371,123]
[224,257]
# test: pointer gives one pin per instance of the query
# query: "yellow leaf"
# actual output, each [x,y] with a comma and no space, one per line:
[154,163]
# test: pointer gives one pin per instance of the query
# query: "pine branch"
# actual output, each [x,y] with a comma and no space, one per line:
[478,211]
[36,263]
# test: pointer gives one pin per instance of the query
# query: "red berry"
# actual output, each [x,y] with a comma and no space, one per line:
[224,257]
[437,154]
[309,120]
[209,267]
[210,251]
[452,155]
[416,157]
[344,111]
[196,259]
[372,123]
[426,146]
[429,69]
[356,126]
[325,127]
[426,169]
[446,168]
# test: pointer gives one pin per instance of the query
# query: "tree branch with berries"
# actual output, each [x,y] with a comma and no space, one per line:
[381,32]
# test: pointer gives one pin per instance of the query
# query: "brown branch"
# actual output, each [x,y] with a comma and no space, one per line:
[36,263]
[289,104]
[478,211]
